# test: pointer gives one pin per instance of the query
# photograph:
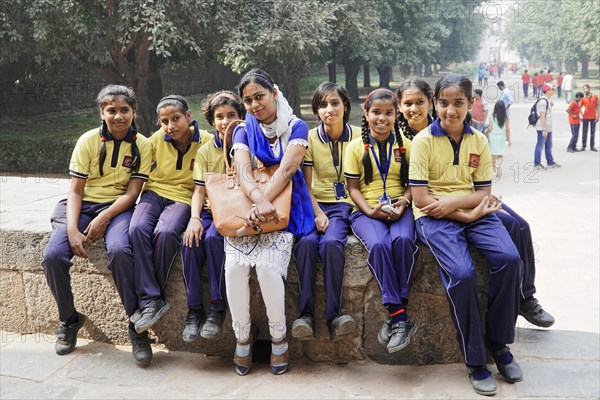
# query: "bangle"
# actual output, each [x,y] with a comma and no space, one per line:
[405,199]
[198,218]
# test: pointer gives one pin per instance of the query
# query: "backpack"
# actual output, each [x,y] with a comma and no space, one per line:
[533,116]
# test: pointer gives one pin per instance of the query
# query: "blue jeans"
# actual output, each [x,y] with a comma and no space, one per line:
[546,144]
[574,136]
[592,124]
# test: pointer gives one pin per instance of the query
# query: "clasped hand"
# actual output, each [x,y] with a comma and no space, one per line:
[260,213]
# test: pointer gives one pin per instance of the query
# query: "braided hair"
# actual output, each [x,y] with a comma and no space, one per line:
[108,94]
[420,85]
[382,94]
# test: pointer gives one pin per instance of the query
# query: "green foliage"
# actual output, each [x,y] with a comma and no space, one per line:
[555,30]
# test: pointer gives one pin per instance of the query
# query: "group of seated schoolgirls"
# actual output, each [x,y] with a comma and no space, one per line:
[344,179]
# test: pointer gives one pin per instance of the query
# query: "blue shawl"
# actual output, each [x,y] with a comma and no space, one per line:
[302,218]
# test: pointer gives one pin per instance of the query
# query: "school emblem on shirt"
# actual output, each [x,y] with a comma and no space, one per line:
[127,162]
[473,160]
[192,164]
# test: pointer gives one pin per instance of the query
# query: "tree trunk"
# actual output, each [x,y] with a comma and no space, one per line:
[366,76]
[154,85]
[289,81]
[331,70]
[391,73]
[585,74]
[351,70]
[418,68]
[428,71]
[405,70]
[384,76]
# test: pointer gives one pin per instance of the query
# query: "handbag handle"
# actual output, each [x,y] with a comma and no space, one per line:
[230,170]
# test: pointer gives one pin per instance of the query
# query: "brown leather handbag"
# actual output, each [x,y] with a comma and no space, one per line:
[230,205]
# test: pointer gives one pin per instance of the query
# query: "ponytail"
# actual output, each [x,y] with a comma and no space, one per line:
[104,136]
[366,158]
[403,161]
[135,152]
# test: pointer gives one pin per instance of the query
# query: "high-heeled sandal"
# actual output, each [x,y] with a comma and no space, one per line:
[280,363]
[243,364]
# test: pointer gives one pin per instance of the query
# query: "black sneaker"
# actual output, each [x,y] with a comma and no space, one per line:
[213,324]
[401,333]
[385,332]
[193,321]
[140,347]
[594,149]
[511,372]
[304,327]
[66,336]
[151,313]
[533,312]
[340,326]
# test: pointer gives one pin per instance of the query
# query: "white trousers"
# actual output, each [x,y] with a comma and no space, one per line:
[238,297]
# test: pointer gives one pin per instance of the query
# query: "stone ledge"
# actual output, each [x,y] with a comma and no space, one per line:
[26,306]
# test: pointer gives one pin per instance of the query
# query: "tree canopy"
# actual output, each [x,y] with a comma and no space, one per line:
[128,41]
[555,31]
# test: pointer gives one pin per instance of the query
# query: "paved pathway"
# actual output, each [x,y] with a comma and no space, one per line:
[562,206]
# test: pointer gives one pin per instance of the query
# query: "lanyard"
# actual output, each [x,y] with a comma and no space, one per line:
[338,172]
[383,175]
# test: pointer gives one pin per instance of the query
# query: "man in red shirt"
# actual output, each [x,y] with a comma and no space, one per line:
[591,111]
[548,77]
[525,78]
[574,111]
[559,81]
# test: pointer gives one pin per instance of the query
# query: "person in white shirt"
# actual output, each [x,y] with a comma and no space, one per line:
[567,87]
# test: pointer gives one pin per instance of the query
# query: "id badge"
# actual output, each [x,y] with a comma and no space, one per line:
[340,190]
[385,200]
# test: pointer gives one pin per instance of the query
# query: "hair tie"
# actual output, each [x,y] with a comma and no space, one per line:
[366,146]
[402,150]
[134,137]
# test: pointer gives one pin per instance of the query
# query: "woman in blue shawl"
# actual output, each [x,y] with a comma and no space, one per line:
[274,135]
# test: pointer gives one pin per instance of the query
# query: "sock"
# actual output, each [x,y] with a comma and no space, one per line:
[197,310]
[279,349]
[73,319]
[218,305]
[526,299]
[397,313]
[505,358]
[242,350]
[480,372]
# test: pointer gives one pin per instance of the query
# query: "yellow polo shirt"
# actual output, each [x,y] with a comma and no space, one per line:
[353,168]
[319,157]
[209,158]
[84,165]
[172,171]
[448,168]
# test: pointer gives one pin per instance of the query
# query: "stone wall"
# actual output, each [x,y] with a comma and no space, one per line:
[26,306]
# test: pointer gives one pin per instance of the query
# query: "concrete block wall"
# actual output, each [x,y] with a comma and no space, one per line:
[26,306]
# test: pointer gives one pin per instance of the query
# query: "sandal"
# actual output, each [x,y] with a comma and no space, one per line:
[243,364]
[279,363]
